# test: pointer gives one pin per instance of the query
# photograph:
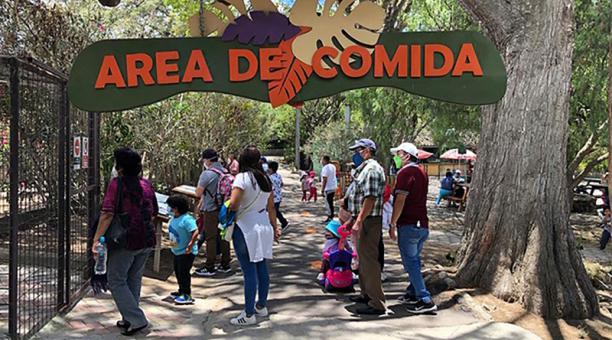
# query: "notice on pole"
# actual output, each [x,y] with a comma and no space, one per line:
[85,153]
[76,152]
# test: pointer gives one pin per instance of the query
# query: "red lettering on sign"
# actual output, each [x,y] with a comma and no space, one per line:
[430,60]
[317,66]
[467,61]
[383,63]
[197,67]
[234,64]
[162,60]
[415,61]
[269,64]
[110,73]
[134,71]
[345,61]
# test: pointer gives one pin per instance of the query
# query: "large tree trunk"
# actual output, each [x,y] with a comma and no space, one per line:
[610,113]
[518,243]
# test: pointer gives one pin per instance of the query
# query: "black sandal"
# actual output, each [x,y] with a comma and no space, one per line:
[123,324]
[131,331]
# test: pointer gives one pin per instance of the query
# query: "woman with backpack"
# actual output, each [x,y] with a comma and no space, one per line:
[131,200]
[446,187]
[253,236]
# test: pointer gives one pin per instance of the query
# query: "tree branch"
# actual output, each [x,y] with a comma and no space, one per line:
[593,163]
[497,17]
[586,149]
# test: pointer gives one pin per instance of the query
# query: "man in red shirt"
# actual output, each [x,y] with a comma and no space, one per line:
[410,222]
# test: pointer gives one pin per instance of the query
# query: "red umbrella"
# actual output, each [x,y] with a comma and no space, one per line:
[424,154]
[455,155]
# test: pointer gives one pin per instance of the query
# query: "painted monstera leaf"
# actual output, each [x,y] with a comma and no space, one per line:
[337,29]
[212,22]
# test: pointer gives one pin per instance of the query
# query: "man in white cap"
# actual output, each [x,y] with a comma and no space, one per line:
[410,222]
[365,202]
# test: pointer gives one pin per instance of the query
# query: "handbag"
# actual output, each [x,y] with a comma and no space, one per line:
[116,234]
[227,232]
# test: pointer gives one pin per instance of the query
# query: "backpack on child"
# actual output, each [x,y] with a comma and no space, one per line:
[339,276]
[224,186]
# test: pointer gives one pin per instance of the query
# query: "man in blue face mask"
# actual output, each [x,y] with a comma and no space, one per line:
[365,203]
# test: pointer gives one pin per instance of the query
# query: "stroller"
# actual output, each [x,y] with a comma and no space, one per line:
[339,276]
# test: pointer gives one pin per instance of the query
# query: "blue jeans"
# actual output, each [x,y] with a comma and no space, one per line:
[410,240]
[443,193]
[256,277]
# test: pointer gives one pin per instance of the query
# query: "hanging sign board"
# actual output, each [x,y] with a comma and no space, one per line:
[76,152]
[85,153]
[266,56]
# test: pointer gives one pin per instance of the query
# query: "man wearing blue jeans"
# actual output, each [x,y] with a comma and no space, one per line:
[410,221]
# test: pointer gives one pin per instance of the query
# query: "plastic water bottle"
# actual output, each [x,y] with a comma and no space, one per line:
[100,267]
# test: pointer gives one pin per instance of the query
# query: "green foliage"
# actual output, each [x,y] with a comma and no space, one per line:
[171,134]
[590,73]
[333,140]
[51,34]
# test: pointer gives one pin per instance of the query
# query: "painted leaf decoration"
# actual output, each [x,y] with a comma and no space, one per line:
[338,30]
[217,22]
[259,28]
[294,75]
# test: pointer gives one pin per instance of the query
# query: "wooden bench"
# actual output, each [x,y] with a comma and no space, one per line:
[461,200]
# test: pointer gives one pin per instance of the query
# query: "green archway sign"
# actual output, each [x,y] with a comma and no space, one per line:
[266,56]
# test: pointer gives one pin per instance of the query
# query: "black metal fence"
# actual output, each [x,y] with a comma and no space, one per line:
[49,154]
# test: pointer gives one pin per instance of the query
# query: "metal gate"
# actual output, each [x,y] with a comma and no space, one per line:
[50,191]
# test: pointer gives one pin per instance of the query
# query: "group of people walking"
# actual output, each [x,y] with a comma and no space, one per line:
[255,196]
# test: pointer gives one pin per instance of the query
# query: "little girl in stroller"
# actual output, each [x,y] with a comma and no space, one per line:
[336,273]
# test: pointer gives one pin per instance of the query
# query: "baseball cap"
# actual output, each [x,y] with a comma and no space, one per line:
[408,148]
[209,154]
[363,143]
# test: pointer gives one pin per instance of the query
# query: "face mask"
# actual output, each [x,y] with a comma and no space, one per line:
[265,167]
[357,159]
[398,161]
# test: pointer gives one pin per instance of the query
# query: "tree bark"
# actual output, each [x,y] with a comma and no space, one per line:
[518,243]
[610,112]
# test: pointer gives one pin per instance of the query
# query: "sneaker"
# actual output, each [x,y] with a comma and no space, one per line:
[369,310]
[359,299]
[320,277]
[408,300]
[222,269]
[175,294]
[183,300]
[205,272]
[243,320]
[422,307]
[261,312]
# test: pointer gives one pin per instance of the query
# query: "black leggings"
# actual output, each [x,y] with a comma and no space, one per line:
[329,196]
[182,270]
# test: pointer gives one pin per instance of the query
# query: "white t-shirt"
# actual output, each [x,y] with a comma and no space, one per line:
[252,218]
[329,171]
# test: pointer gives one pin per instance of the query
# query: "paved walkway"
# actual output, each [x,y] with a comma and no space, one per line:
[299,308]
